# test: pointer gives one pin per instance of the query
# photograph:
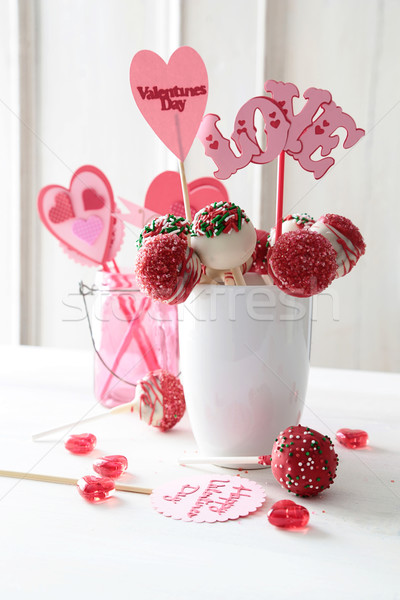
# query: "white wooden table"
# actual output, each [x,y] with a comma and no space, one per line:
[54,545]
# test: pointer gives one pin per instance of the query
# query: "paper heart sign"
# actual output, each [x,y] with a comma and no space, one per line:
[81,217]
[206,499]
[164,194]
[171,96]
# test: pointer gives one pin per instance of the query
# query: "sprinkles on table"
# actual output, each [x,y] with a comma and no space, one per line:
[217,218]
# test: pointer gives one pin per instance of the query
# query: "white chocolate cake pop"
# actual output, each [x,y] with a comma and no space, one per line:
[223,236]
[346,239]
[292,222]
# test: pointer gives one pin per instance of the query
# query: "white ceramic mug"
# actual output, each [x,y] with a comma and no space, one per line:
[244,357]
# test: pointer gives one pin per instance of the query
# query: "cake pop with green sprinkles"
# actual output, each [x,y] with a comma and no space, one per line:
[223,236]
[164,224]
[304,461]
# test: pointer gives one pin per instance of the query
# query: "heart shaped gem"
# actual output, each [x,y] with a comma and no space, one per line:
[171,96]
[352,438]
[95,489]
[288,515]
[111,466]
[82,443]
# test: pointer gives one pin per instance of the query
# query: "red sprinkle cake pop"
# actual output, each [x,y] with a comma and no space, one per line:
[167,269]
[161,399]
[302,263]
[166,224]
[304,461]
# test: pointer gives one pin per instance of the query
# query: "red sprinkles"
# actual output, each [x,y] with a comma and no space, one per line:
[302,263]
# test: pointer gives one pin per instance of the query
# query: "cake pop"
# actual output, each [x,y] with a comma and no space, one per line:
[302,263]
[223,236]
[167,269]
[304,461]
[165,224]
[346,239]
[260,259]
[292,222]
[159,399]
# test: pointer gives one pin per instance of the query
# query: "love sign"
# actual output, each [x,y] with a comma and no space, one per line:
[205,499]
[171,96]
[300,134]
[82,216]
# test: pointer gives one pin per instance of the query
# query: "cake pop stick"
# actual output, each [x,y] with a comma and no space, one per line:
[121,487]
[279,193]
[159,399]
[227,460]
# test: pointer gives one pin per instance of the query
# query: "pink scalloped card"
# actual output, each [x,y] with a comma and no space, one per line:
[299,134]
[171,96]
[81,216]
[205,499]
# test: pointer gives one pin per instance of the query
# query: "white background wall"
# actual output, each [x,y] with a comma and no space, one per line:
[72,91]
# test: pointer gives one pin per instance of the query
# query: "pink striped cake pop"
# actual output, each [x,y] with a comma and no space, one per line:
[167,269]
[165,224]
[161,400]
[292,222]
[223,236]
[302,263]
[346,239]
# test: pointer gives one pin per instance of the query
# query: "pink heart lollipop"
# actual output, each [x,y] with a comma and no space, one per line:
[171,96]
[81,217]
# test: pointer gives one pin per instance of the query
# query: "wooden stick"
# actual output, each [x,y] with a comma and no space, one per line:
[129,406]
[238,276]
[121,487]
[279,195]
[228,278]
[185,193]
[227,460]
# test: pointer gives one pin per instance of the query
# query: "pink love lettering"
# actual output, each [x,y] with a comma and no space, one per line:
[300,135]
[171,96]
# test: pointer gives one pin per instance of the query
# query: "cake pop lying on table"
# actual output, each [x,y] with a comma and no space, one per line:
[159,399]
[223,237]
[167,269]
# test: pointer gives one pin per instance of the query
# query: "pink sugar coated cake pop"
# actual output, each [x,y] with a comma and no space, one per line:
[112,466]
[223,236]
[166,224]
[304,461]
[345,237]
[302,263]
[167,269]
[81,443]
[260,260]
[161,399]
[292,222]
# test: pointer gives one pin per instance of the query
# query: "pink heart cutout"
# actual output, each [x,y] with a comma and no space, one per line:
[88,230]
[87,241]
[91,200]
[62,209]
[164,194]
[171,96]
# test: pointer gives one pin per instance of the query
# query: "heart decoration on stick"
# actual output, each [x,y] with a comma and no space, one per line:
[171,96]
[81,217]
